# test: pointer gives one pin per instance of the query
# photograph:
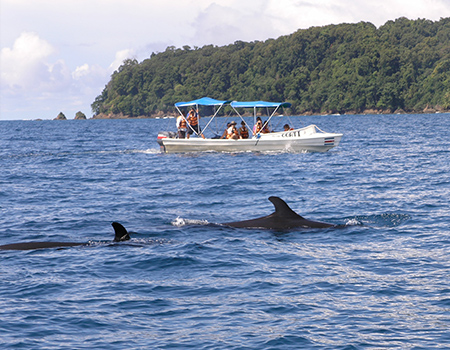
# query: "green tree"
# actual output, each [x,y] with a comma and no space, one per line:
[335,68]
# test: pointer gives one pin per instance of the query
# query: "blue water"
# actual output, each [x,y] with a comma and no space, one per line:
[182,282]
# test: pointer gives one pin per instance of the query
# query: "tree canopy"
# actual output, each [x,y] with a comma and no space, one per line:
[404,64]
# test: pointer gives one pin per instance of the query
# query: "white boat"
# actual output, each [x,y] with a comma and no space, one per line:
[307,139]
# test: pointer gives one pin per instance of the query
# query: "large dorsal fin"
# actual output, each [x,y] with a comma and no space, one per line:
[282,209]
[121,232]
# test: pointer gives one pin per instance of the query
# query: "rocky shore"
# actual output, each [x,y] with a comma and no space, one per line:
[160,115]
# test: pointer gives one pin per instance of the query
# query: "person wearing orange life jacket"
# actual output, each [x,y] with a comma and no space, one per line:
[193,119]
[243,131]
[181,126]
[258,126]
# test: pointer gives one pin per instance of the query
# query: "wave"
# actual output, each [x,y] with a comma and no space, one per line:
[378,220]
[180,222]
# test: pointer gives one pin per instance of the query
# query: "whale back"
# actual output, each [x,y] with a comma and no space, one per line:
[282,218]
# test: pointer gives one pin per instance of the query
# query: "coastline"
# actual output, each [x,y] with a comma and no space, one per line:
[162,115]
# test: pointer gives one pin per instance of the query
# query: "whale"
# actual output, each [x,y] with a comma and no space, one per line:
[120,234]
[283,218]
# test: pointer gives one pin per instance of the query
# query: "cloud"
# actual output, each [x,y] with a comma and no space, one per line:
[120,57]
[221,22]
[33,79]
[295,14]
[228,22]
[24,65]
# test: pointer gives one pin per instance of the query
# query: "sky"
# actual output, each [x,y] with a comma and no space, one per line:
[58,55]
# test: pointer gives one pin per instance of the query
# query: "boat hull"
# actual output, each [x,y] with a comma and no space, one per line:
[320,142]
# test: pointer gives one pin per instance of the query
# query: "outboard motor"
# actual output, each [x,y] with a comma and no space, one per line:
[165,135]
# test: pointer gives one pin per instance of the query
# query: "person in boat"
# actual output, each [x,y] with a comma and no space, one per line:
[232,132]
[243,131]
[181,126]
[193,120]
[225,133]
[265,128]
[287,127]
[258,126]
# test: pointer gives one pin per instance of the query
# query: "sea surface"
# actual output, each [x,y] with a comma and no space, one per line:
[186,282]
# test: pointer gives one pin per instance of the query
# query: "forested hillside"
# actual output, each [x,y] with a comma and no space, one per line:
[404,64]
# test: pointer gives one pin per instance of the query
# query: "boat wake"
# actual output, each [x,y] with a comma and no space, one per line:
[66,154]
[131,151]
[148,151]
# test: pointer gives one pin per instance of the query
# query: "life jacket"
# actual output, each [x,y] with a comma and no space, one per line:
[192,119]
[183,123]
[244,132]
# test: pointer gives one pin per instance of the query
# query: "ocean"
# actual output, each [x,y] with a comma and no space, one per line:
[184,281]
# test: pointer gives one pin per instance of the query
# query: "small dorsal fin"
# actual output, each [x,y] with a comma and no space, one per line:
[121,232]
[282,209]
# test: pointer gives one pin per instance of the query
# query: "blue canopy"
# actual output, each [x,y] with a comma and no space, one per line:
[252,104]
[204,101]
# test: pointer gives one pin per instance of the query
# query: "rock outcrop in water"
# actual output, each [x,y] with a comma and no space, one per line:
[80,116]
[60,116]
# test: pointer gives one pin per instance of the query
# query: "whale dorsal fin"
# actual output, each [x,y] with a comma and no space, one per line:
[282,209]
[121,232]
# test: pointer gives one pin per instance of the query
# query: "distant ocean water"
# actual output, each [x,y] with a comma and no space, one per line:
[183,282]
